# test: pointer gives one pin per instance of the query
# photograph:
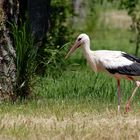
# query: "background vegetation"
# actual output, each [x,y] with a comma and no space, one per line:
[67,99]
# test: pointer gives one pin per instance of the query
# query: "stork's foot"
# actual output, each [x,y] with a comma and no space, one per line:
[138,83]
[127,108]
[118,109]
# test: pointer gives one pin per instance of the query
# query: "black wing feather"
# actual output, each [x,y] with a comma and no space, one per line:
[131,70]
[131,57]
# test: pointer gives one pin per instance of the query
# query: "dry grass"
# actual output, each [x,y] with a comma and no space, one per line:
[79,126]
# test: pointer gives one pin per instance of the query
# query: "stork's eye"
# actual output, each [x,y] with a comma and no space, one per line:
[79,39]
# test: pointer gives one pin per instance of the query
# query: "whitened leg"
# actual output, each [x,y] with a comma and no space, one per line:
[131,97]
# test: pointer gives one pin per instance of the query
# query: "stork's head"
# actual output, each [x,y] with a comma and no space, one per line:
[81,39]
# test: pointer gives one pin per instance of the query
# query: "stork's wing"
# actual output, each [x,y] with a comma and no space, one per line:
[122,63]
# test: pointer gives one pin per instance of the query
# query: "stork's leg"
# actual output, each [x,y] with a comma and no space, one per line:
[130,98]
[119,95]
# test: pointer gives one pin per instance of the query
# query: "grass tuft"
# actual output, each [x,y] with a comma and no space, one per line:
[25,60]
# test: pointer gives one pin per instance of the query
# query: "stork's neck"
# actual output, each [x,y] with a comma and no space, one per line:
[86,49]
[89,55]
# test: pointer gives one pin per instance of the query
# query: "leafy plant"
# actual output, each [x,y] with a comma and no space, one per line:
[133,8]
[55,62]
[25,60]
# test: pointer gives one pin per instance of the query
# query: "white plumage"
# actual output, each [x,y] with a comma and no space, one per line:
[111,59]
[117,63]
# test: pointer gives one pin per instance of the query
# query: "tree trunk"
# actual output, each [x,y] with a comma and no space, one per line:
[39,15]
[39,20]
[8,13]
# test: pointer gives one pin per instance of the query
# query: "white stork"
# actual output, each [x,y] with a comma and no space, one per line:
[117,63]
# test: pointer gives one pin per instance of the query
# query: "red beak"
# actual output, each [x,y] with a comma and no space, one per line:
[73,48]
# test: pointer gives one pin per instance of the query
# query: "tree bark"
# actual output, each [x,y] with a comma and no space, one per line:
[9,12]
